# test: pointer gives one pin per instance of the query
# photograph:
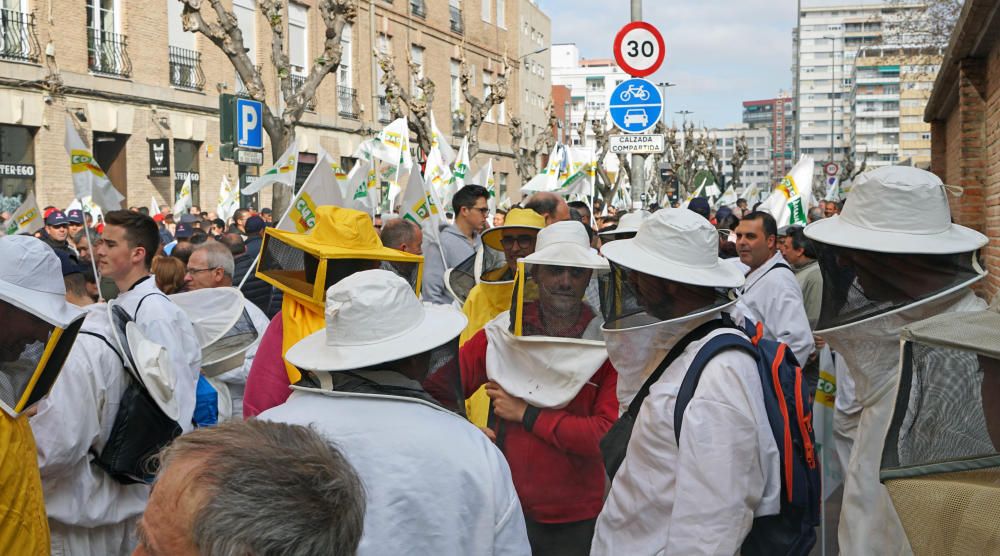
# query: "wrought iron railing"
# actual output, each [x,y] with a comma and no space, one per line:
[455,18]
[299,81]
[384,111]
[347,102]
[18,40]
[185,68]
[107,53]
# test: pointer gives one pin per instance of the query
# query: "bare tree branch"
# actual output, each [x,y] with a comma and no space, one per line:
[480,108]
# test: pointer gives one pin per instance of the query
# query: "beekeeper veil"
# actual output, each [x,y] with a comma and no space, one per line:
[39,326]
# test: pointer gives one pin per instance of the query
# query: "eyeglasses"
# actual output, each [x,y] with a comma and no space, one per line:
[485,211]
[523,242]
[193,271]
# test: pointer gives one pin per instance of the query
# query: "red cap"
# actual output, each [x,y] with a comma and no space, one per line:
[158,218]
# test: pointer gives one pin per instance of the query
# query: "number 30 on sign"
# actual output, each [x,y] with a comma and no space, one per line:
[639,49]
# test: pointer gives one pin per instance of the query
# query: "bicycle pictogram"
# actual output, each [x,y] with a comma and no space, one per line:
[639,91]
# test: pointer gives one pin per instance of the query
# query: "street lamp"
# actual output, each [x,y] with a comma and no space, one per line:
[684,114]
[539,51]
[663,100]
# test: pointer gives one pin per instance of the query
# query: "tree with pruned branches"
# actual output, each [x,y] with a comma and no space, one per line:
[526,156]
[219,25]
[479,108]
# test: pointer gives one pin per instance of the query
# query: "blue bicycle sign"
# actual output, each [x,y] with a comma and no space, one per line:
[635,105]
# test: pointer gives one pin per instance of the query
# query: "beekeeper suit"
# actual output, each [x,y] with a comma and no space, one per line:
[38,332]
[892,257]
[435,484]
[89,511]
[696,496]
[495,266]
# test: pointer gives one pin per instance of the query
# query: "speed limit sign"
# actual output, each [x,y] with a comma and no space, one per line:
[639,49]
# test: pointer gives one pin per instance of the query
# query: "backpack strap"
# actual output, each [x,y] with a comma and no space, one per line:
[135,317]
[693,376]
[672,355]
[776,265]
[107,343]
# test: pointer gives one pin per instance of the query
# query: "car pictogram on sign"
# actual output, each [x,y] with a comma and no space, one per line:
[636,117]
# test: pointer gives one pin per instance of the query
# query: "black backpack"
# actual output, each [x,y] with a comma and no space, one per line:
[141,429]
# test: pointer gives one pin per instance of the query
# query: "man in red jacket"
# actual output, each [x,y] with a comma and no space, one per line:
[552,388]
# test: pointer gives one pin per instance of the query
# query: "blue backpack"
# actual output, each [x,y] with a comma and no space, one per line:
[789,412]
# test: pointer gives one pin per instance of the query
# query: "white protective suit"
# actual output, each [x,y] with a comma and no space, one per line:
[868,520]
[235,381]
[435,483]
[89,512]
[701,497]
[166,324]
[775,298]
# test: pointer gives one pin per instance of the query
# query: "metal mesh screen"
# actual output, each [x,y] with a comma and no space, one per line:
[15,375]
[17,393]
[558,301]
[461,279]
[229,351]
[288,265]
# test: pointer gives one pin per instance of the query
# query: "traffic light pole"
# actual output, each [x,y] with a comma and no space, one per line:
[638,177]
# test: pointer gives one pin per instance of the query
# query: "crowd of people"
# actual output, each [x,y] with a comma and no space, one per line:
[513,383]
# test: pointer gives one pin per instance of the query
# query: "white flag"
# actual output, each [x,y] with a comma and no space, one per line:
[282,172]
[459,172]
[832,188]
[154,207]
[750,194]
[712,191]
[419,206]
[582,164]
[694,193]
[360,186]
[437,174]
[184,201]
[548,179]
[320,188]
[728,198]
[390,144]
[27,219]
[229,199]
[440,140]
[790,198]
[88,178]
[484,177]
[823,410]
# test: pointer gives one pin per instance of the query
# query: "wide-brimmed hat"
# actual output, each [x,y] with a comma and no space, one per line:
[517,218]
[897,209]
[221,324]
[374,317]
[565,243]
[31,279]
[628,223]
[678,245]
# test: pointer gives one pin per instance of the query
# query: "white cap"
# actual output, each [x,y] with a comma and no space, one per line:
[31,280]
[374,317]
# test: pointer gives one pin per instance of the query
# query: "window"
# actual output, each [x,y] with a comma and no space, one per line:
[186,166]
[455,16]
[176,35]
[344,76]
[501,13]
[417,56]
[456,86]
[501,191]
[105,46]
[298,38]
[246,14]
[17,154]
[487,9]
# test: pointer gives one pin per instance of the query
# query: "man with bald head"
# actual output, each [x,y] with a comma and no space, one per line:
[549,205]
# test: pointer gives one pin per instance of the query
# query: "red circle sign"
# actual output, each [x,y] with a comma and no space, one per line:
[639,49]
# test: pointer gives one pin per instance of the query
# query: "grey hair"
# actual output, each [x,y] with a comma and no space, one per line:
[398,231]
[543,202]
[270,488]
[217,255]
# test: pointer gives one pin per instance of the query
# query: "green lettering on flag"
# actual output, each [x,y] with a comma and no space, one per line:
[798,215]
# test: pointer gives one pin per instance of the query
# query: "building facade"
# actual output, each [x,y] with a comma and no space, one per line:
[964,114]
[776,116]
[825,45]
[128,75]
[759,165]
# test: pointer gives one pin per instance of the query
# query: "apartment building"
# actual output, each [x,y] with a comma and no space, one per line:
[776,116]
[129,75]
[758,168]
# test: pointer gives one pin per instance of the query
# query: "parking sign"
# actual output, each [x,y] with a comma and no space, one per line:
[635,105]
[249,124]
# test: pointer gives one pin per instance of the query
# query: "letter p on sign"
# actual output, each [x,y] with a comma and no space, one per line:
[249,128]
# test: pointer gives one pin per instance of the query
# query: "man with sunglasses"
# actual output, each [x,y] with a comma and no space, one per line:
[459,241]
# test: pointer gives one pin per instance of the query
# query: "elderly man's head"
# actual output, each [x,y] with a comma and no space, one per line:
[304,495]
[549,205]
[210,266]
[402,234]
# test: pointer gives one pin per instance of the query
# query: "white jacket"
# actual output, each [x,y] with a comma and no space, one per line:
[435,484]
[700,498]
[166,324]
[89,511]
[776,299]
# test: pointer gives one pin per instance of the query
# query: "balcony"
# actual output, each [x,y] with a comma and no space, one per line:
[384,112]
[418,8]
[107,53]
[298,81]
[455,19]
[18,41]
[347,102]
[185,69]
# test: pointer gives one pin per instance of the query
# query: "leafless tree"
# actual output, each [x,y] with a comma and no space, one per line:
[416,105]
[740,154]
[479,108]
[222,29]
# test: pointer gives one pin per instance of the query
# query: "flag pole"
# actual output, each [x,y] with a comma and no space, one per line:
[93,259]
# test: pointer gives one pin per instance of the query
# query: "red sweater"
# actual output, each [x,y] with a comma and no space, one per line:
[557,467]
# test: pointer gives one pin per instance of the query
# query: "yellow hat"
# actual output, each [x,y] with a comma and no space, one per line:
[340,233]
[517,218]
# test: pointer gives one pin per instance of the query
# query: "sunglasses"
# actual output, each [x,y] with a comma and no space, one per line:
[523,242]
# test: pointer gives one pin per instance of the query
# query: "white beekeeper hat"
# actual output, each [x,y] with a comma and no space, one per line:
[221,324]
[629,223]
[374,317]
[31,280]
[897,209]
[678,245]
[565,243]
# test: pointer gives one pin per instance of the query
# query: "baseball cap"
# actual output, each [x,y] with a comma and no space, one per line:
[56,218]
[74,216]
[183,230]
[188,218]
[254,224]
[265,210]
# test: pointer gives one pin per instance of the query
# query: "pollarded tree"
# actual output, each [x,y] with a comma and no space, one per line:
[219,25]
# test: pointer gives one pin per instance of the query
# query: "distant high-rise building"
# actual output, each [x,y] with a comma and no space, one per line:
[758,166]
[774,115]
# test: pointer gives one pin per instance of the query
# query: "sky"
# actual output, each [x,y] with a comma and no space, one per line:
[718,52]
